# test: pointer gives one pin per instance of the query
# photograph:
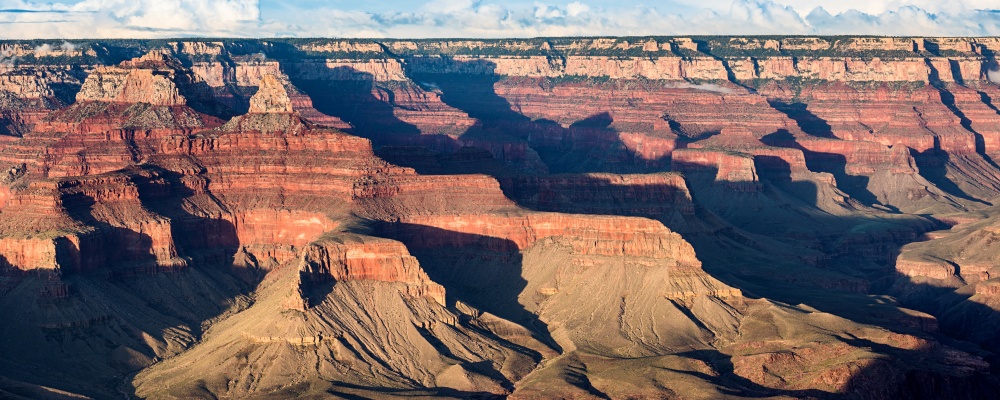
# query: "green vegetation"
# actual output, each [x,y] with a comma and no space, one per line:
[895,85]
[112,51]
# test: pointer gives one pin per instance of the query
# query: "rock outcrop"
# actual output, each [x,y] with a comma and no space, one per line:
[271,97]
[131,86]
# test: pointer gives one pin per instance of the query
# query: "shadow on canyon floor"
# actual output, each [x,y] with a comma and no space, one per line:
[836,164]
[208,240]
[186,296]
[482,271]
[932,164]
[732,384]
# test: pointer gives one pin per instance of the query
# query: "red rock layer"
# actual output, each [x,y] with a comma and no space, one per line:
[977,106]
[782,161]
[736,170]
[910,115]
[84,217]
[858,157]
[647,108]
[423,109]
[88,137]
[360,258]
[587,235]
[641,195]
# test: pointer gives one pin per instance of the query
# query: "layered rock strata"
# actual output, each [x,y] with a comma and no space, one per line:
[239,184]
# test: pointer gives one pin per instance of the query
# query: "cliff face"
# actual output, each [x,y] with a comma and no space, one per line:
[837,69]
[130,86]
[524,218]
[28,95]
[271,97]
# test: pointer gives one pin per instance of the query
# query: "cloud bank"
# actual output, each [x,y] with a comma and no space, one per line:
[993,75]
[708,87]
[22,19]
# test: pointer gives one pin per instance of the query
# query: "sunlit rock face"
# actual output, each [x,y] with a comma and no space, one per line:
[539,218]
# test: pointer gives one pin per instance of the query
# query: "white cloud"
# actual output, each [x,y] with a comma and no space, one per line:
[43,50]
[874,7]
[7,58]
[130,18]
[47,49]
[493,18]
[708,87]
[543,12]
[906,21]
[447,6]
[576,8]
[461,18]
[993,75]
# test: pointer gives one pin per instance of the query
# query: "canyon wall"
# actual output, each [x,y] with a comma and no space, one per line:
[514,217]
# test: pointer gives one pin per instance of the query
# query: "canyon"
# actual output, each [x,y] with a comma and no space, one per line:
[608,218]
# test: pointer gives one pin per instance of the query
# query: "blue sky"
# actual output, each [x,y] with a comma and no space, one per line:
[487,18]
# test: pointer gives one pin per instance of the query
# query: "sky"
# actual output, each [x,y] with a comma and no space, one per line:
[73,19]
